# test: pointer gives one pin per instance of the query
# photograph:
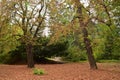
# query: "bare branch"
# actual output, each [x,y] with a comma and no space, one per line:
[41,19]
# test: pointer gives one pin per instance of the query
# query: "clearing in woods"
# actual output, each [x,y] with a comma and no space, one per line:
[68,71]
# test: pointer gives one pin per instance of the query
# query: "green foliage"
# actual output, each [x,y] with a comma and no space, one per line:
[57,49]
[106,44]
[109,61]
[38,71]
[8,58]
[14,56]
[98,48]
[2,58]
[74,54]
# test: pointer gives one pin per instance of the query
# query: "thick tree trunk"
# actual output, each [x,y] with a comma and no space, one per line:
[30,60]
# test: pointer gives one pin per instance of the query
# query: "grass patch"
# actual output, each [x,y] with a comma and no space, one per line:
[108,61]
[38,71]
[83,61]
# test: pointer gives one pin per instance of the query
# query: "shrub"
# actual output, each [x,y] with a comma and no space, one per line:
[38,71]
[14,56]
[2,57]
[74,54]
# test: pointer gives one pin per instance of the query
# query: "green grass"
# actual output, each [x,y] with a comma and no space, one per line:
[108,61]
[83,61]
[38,71]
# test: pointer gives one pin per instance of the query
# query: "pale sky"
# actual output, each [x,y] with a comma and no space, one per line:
[85,2]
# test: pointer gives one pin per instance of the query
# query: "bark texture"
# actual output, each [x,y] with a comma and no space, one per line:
[30,60]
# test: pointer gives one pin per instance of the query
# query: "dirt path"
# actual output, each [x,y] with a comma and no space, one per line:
[71,71]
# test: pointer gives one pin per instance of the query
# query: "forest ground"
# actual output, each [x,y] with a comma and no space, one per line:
[68,71]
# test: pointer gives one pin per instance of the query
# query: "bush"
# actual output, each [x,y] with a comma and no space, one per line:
[57,49]
[38,71]
[2,57]
[13,56]
[74,54]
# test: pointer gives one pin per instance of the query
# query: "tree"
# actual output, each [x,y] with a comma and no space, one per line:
[75,11]
[97,13]
[30,17]
[107,20]
[85,35]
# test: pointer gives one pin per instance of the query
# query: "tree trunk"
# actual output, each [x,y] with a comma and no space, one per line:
[30,60]
[87,43]
[88,47]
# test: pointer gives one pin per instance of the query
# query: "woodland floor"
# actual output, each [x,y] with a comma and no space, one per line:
[68,71]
